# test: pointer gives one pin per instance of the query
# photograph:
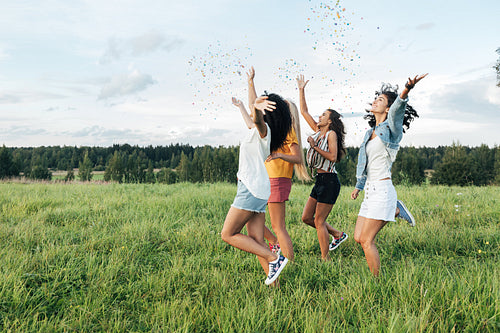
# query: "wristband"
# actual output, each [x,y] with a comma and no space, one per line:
[409,86]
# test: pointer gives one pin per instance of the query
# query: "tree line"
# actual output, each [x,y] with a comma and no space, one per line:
[448,165]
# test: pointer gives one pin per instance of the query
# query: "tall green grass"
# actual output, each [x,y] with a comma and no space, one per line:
[87,257]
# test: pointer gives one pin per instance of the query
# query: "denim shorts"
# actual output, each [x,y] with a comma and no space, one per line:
[327,188]
[246,201]
[380,201]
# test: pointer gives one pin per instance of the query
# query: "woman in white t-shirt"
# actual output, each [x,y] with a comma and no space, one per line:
[272,121]
[388,117]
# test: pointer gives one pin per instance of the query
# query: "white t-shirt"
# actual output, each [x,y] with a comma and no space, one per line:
[251,169]
[379,161]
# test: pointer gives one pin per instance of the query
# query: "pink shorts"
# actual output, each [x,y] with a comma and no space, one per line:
[280,189]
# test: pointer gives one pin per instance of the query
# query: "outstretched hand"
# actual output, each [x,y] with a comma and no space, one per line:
[237,102]
[263,104]
[412,82]
[300,81]
[251,73]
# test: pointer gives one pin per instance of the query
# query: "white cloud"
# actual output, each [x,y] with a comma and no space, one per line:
[9,99]
[153,41]
[429,131]
[126,84]
[425,26]
[18,97]
[139,45]
[493,95]
[104,134]
[199,136]
[113,51]
[23,131]
[470,101]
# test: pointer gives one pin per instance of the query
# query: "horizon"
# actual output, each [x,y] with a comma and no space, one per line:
[227,146]
[88,73]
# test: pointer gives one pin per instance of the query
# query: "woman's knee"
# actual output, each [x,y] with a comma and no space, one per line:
[365,243]
[225,235]
[279,228]
[357,238]
[308,219]
[318,222]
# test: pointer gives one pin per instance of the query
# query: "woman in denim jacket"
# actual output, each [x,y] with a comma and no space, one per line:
[388,115]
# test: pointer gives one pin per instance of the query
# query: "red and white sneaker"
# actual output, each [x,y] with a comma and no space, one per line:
[337,241]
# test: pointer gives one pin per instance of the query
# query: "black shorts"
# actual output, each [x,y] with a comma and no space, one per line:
[327,188]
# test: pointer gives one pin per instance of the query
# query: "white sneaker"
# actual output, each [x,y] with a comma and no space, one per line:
[405,214]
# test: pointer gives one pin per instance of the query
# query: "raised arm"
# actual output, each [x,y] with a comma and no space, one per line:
[410,84]
[303,105]
[258,108]
[396,113]
[244,113]
[252,95]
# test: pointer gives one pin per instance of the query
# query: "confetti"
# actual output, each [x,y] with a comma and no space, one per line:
[211,76]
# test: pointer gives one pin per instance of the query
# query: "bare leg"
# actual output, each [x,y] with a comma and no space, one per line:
[308,213]
[322,211]
[277,211]
[255,228]
[235,221]
[308,217]
[268,234]
[365,232]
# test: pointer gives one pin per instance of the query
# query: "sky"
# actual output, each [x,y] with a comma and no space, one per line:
[98,73]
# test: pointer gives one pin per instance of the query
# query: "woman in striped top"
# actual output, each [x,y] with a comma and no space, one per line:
[326,148]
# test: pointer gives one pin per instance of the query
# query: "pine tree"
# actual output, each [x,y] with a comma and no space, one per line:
[497,68]
[70,175]
[115,170]
[150,175]
[484,165]
[346,170]
[7,166]
[85,168]
[408,167]
[183,168]
[166,176]
[455,168]
[497,165]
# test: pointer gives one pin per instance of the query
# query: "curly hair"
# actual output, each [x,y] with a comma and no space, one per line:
[279,121]
[338,127]
[391,92]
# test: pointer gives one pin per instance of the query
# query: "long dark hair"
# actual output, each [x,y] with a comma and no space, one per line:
[391,92]
[279,121]
[337,126]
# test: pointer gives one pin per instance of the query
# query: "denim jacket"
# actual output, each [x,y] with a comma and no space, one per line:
[390,131]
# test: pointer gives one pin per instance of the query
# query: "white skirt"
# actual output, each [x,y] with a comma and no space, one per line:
[380,201]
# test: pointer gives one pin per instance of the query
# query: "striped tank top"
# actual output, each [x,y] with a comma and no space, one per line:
[314,159]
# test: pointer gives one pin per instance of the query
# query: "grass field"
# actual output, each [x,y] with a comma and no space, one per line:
[87,257]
